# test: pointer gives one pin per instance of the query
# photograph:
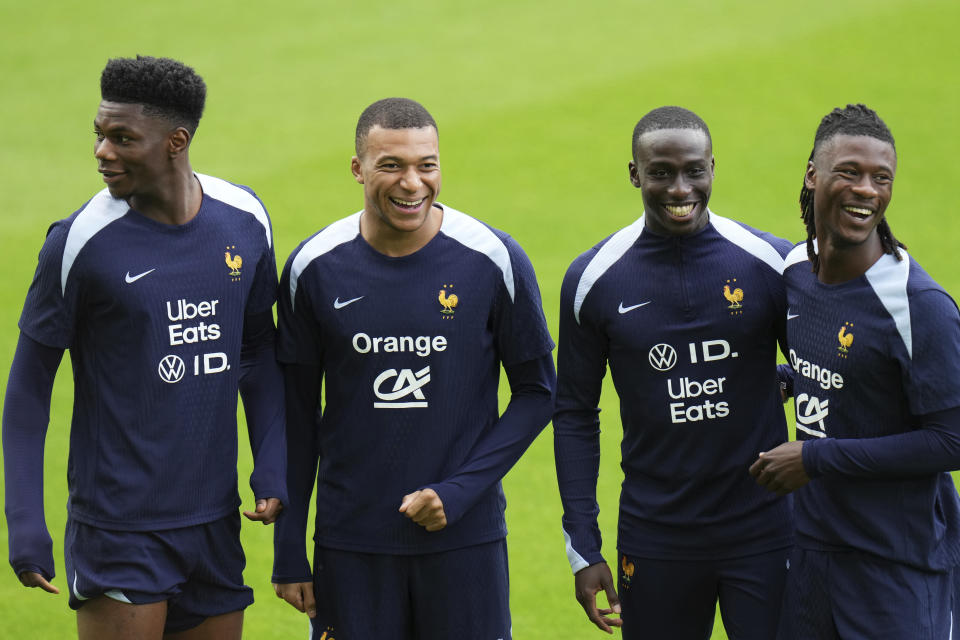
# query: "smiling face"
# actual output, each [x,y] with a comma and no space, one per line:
[852,181]
[400,173]
[674,170]
[133,150]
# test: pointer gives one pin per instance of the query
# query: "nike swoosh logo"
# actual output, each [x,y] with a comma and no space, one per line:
[131,279]
[623,309]
[791,316]
[340,305]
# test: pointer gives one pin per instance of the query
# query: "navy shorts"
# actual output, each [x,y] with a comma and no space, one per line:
[677,599]
[463,594]
[858,596]
[198,570]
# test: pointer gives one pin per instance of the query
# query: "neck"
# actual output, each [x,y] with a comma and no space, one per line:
[839,263]
[174,201]
[396,243]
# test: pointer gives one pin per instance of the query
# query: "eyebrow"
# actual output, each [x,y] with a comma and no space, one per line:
[399,159]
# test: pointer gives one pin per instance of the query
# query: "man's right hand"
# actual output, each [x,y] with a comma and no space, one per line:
[33,579]
[587,583]
[299,595]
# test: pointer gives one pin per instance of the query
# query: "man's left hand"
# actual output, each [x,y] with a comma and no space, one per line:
[425,508]
[780,470]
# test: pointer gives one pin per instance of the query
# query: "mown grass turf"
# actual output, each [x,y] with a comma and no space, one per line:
[535,103]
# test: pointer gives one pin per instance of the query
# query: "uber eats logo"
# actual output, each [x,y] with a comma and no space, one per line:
[693,400]
[192,323]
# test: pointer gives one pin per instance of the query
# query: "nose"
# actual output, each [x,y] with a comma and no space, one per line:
[864,187]
[410,180]
[103,150]
[679,188]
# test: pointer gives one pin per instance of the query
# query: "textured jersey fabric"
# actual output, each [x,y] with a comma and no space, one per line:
[153,316]
[410,348]
[689,326]
[877,387]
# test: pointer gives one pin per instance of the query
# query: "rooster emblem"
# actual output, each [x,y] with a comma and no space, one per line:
[627,571]
[734,297]
[846,339]
[233,263]
[448,302]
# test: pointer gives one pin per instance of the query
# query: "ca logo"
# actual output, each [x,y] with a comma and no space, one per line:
[171,369]
[407,383]
[662,357]
[811,412]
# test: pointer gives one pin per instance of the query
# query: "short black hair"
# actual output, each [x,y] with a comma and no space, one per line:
[852,120]
[165,87]
[392,113]
[668,118]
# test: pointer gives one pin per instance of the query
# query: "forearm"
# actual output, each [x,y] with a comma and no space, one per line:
[933,448]
[302,392]
[26,414]
[532,387]
[261,389]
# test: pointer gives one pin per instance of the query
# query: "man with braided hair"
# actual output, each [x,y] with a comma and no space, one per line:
[875,346]
[687,307]
[162,287]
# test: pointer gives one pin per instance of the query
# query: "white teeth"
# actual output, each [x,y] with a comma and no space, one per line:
[859,210]
[679,212]
[406,203]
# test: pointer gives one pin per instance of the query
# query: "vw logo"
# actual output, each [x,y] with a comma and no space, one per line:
[662,357]
[171,369]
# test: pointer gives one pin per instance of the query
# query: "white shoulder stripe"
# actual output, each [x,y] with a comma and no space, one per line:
[477,236]
[236,197]
[888,277]
[99,212]
[606,257]
[334,235]
[755,245]
[797,255]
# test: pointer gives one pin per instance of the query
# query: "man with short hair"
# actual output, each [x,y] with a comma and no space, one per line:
[875,345]
[687,307]
[161,286]
[407,309]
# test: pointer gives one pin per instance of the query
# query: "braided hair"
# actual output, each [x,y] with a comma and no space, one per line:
[853,120]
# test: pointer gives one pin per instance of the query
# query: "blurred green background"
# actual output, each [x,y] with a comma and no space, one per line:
[535,102]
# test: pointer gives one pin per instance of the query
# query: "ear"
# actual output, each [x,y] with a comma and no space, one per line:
[178,141]
[713,167]
[810,177]
[634,174]
[356,169]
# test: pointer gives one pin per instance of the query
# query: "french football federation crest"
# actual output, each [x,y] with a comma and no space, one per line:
[233,263]
[734,297]
[626,575]
[846,339]
[448,302]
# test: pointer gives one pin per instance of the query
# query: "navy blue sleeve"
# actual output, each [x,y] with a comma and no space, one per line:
[785,375]
[26,414]
[303,386]
[581,365]
[532,385]
[261,389]
[933,448]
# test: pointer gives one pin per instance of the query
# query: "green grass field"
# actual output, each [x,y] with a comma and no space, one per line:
[535,103]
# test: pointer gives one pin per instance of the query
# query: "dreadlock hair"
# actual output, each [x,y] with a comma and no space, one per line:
[852,120]
[392,113]
[166,88]
[668,118]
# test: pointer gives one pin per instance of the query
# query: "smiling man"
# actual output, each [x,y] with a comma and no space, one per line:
[687,308]
[878,518]
[407,309]
[161,286]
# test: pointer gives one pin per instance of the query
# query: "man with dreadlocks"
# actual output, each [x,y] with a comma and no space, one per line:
[687,307]
[875,346]
[162,287]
